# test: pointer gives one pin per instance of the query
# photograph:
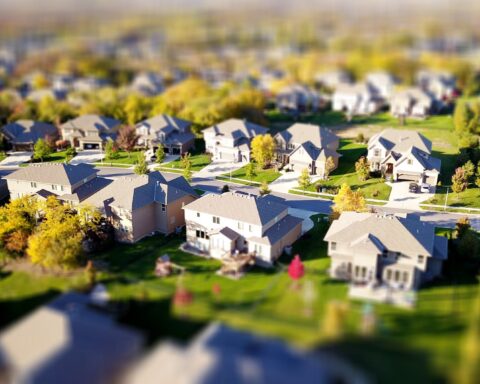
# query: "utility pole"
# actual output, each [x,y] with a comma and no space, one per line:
[446,199]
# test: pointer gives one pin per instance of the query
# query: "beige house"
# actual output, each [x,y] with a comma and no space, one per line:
[400,252]
[23,134]
[403,155]
[230,140]
[90,131]
[171,133]
[307,146]
[222,225]
[70,183]
[356,99]
[139,206]
[411,102]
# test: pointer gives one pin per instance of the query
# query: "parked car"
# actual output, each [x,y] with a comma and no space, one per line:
[413,187]
[425,188]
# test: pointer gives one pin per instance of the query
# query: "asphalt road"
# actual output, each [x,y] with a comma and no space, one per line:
[440,219]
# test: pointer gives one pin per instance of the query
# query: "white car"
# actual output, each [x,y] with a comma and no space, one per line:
[425,188]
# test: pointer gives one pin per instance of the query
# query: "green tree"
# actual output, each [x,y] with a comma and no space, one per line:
[141,168]
[263,149]
[469,170]
[160,154]
[459,181]
[187,171]
[135,108]
[250,170]
[304,180]
[70,153]
[41,150]
[185,161]
[111,151]
[477,176]
[362,167]
[461,117]
[264,190]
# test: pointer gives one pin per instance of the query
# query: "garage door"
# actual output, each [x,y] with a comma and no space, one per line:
[91,146]
[408,177]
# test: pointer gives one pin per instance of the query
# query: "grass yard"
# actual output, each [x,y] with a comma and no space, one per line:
[199,161]
[123,157]
[373,188]
[423,343]
[469,198]
[55,157]
[268,175]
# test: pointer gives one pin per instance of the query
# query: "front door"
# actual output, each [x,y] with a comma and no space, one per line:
[389,168]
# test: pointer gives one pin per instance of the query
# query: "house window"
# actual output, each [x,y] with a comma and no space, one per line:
[258,248]
[250,228]
[409,161]
[216,219]
[333,246]
[201,234]
[61,188]
[198,214]
[389,274]
[164,207]
[240,225]
[33,185]
[405,277]
[420,259]
[376,152]
[396,276]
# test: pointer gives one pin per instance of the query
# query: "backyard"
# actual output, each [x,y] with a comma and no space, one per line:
[265,301]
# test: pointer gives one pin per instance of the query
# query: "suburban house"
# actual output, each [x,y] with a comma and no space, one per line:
[298,98]
[147,84]
[307,146]
[230,139]
[230,223]
[90,131]
[356,99]
[88,84]
[333,79]
[69,183]
[441,86]
[68,340]
[23,134]
[403,155]
[411,102]
[172,133]
[383,83]
[139,206]
[396,251]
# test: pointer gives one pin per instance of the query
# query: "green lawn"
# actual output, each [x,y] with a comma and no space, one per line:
[3,155]
[373,188]
[199,161]
[262,175]
[55,157]
[424,343]
[469,198]
[123,157]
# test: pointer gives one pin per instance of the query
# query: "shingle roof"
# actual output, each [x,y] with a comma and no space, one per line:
[92,123]
[27,131]
[400,140]
[134,192]
[53,173]
[165,123]
[277,231]
[237,128]
[237,206]
[407,235]
[428,162]
[300,133]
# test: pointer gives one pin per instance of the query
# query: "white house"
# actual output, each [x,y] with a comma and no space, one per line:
[356,99]
[230,139]
[411,102]
[398,251]
[382,82]
[333,79]
[403,155]
[441,86]
[221,225]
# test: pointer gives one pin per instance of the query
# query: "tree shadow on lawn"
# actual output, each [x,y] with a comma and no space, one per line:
[386,361]
[449,163]
[11,310]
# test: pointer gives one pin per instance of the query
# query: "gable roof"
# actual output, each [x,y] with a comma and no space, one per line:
[92,123]
[238,206]
[236,128]
[300,133]
[400,140]
[314,153]
[407,235]
[428,162]
[53,173]
[27,131]
[277,231]
[175,130]
[134,191]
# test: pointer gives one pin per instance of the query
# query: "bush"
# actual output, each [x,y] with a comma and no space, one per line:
[225,188]
[360,138]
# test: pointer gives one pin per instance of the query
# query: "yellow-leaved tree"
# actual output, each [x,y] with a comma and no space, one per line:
[263,149]
[348,200]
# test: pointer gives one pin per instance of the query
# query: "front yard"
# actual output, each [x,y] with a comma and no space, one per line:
[55,157]
[423,343]
[199,161]
[469,198]
[261,175]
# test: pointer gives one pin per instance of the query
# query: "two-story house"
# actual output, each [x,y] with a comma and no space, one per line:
[400,252]
[298,98]
[230,139]
[221,225]
[140,205]
[356,99]
[410,102]
[70,183]
[23,134]
[90,131]
[307,146]
[441,86]
[383,83]
[403,155]
[171,133]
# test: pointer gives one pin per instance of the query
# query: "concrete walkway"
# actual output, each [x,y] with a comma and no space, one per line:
[218,168]
[14,159]
[288,181]
[401,197]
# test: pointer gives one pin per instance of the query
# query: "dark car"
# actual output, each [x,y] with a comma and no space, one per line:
[413,188]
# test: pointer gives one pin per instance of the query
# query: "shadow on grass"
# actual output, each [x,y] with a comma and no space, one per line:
[11,310]
[385,361]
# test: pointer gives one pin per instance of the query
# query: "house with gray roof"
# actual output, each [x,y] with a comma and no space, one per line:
[70,183]
[138,206]
[67,341]
[90,131]
[411,102]
[298,98]
[23,134]
[222,225]
[147,84]
[230,139]
[403,155]
[307,146]
[356,99]
[398,251]
[170,132]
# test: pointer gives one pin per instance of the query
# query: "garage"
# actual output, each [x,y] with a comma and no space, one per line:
[408,177]
[91,146]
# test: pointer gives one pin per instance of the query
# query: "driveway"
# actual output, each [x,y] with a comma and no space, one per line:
[87,156]
[284,183]
[14,159]
[401,197]
[218,168]
[307,223]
